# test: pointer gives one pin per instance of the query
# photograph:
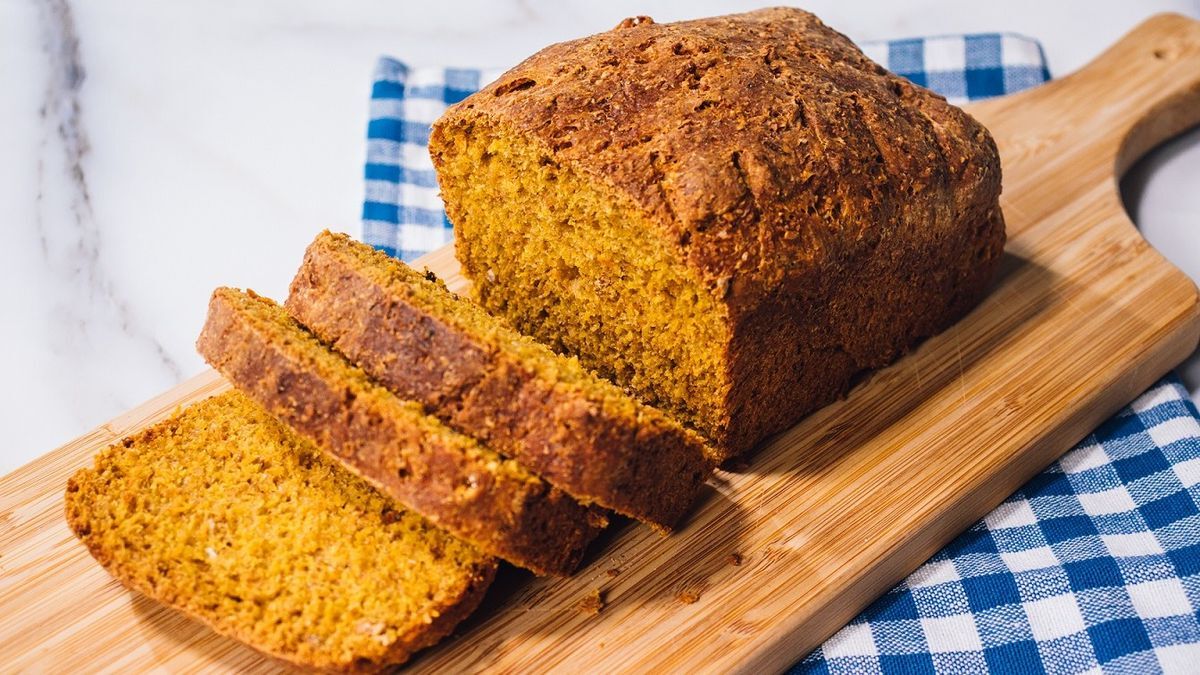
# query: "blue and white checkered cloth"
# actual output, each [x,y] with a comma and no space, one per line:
[1094,566]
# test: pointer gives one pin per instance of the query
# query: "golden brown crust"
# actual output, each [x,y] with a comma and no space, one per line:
[518,518]
[840,212]
[630,459]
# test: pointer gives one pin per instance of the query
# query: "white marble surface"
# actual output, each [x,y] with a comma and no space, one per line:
[150,151]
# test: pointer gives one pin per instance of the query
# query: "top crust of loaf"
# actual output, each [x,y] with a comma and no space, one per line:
[765,145]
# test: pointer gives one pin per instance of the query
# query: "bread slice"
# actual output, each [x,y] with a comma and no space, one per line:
[733,216]
[226,515]
[482,377]
[451,479]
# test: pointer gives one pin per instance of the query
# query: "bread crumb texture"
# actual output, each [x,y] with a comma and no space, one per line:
[584,275]
[225,514]
[592,603]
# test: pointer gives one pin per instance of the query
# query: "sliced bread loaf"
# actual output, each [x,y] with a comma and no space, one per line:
[481,376]
[451,479]
[226,515]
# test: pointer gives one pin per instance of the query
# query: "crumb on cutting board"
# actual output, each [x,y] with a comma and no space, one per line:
[735,559]
[591,603]
[688,597]
[612,572]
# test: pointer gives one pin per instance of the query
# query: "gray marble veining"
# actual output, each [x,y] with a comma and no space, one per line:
[87,311]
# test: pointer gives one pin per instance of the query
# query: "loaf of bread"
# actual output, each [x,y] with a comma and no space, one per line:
[492,502]
[732,217]
[226,515]
[477,374]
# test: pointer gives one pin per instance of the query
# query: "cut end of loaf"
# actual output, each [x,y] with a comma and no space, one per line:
[561,258]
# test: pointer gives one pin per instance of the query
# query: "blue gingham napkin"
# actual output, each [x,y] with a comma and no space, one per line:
[1094,566]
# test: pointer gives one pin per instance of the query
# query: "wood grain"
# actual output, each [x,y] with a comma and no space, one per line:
[829,515]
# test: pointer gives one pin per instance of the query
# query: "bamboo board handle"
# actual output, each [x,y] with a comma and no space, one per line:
[1098,121]
[1173,63]
[1138,93]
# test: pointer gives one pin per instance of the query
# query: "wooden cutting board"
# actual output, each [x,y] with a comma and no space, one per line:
[1084,316]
